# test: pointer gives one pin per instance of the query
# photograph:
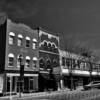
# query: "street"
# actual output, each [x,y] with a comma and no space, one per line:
[59,95]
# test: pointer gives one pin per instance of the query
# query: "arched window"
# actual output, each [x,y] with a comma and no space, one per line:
[19,42]
[49,46]
[27,63]
[11,60]
[41,63]
[34,62]
[34,43]
[48,63]
[45,44]
[27,41]
[11,38]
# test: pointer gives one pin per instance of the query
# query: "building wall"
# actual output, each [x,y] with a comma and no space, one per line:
[25,31]
[47,51]
[3,25]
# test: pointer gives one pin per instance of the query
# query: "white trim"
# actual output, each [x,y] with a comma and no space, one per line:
[11,55]
[27,38]
[28,58]
[35,58]
[81,72]
[20,36]
[12,33]
[54,44]
[34,40]
[65,71]
[17,74]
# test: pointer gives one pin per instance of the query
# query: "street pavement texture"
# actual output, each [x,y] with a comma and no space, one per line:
[93,94]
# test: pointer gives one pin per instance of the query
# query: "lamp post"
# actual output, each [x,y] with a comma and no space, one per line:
[20,60]
[10,87]
[71,77]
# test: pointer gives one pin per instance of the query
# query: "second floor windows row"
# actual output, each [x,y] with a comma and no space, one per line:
[28,62]
[20,39]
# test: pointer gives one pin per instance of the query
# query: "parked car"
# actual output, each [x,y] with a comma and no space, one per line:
[94,84]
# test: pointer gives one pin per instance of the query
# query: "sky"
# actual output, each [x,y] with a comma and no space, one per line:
[78,21]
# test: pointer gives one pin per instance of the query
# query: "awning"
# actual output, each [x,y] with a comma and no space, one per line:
[46,76]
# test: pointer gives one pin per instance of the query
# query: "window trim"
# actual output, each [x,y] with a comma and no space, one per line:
[10,55]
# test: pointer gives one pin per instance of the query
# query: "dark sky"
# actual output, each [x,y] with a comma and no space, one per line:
[75,19]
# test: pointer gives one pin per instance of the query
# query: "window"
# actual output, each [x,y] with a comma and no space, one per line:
[48,63]
[45,45]
[34,62]
[42,63]
[27,64]
[63,61]
[68,62]
[20,40]
[27,41]
[10,60]
[34,43]
[55,63]
[11,38]
[49,46]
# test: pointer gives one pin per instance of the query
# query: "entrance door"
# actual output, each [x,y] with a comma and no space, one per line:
[31,84]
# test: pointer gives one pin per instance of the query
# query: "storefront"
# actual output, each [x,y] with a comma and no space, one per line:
[29,83]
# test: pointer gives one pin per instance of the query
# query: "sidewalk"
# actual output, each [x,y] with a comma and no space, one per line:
[38,94]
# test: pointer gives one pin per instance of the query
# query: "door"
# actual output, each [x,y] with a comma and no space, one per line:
[31,84]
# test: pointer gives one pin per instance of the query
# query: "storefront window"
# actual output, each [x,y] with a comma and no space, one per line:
[27,41]
[48,62]
[42,64]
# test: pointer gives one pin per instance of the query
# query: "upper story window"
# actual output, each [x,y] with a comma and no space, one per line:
[63,61]
[27,63]
[11,60]
[55,63]
[49,46]
[20,37]
[42,63]
[68,62]
[11,38]
[45,44]
[34,62]
[27,41]
[34,44]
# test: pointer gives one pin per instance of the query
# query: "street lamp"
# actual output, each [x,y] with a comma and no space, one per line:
[21,72]
[70,72]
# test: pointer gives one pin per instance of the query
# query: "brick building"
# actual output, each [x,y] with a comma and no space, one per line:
[18,40]
[77,69]
[48,60]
